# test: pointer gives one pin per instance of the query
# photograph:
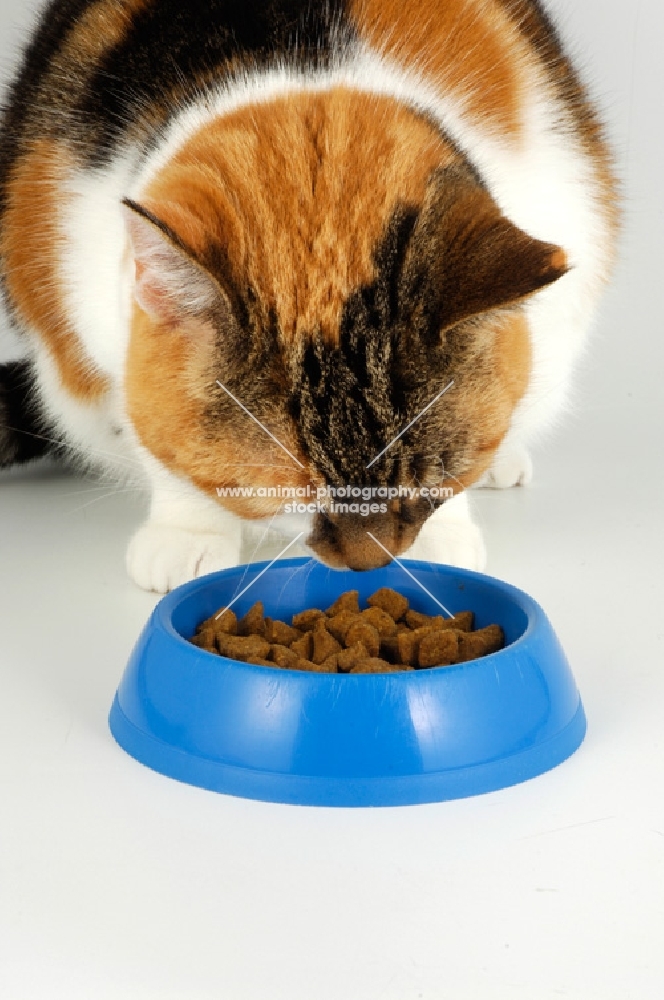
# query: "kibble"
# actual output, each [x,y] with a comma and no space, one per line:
[381,621]
[388,600]
[253,622]
[349,601]
[385,637]
[364,632]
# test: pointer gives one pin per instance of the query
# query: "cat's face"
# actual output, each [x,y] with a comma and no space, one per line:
[310,275]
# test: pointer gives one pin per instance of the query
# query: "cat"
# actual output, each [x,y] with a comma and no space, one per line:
[282,244]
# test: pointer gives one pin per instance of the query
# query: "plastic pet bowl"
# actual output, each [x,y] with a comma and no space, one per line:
[348,739]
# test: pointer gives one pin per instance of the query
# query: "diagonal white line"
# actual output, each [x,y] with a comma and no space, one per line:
[401,566]
[257,421]
[413,421]
[258,576]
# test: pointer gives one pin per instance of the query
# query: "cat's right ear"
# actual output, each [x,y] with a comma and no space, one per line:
[171,285]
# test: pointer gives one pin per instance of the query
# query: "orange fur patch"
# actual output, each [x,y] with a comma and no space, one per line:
[489,413]
[167,393]
[472,50]
[299,190]
[29,248]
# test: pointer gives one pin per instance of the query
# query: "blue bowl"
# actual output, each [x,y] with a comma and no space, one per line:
[348,739]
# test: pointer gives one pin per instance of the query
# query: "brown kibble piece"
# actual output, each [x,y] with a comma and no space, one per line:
[324,644]
[339,624]
[481,643]
[283,656]
[225,623]
[304,646]
[347,658]
[345,602]
[438,649]
[329,665]
[388,600]
[381,621]
[239,647]
[280,632]
[253,622]
[415,619]
[259,662]
[303,664]
[205,640]
[464,620]
[375,665]
[407,643]
[305,620]
[362,631]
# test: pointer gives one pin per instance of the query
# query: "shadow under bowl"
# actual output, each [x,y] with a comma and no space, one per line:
[348,739]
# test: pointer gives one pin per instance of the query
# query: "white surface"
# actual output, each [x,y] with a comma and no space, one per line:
[118,883]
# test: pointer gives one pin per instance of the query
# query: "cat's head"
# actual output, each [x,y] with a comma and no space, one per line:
[311,273]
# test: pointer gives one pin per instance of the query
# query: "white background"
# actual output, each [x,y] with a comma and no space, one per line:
[116,882]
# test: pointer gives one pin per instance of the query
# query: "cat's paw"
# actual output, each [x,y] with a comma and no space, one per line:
[454,542]
[511,467]
[160,557]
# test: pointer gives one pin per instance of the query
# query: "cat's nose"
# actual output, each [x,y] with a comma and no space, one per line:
[365,555]
[355,541]
[366,542]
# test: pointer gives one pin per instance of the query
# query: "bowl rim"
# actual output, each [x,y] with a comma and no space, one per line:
[164,610]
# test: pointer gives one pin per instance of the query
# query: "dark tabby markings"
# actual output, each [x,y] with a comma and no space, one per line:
[352,399]
[404,336]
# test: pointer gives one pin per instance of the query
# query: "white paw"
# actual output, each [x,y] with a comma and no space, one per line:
[450,541]
[512,467]
[161,557]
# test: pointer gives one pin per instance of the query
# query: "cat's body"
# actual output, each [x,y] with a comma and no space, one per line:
[308,203]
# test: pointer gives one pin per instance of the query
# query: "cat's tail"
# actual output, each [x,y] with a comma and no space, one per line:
[24,434]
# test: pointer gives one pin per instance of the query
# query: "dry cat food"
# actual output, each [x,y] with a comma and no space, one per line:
[385,636]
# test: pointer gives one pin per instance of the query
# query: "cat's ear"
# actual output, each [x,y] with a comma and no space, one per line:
[170,284]
[466,258]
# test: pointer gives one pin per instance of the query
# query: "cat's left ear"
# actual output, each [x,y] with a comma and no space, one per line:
[466,258]
[171,284]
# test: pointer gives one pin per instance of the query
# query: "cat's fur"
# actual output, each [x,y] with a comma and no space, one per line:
[334,209]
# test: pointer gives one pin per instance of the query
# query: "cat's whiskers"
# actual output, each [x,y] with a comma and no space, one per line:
[105,496]
[419,486]
[117,457]
[104,486]
[307,566]
[68,448]
[253,465]
[266,531]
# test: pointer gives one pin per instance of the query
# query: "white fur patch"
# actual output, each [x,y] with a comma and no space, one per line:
[99,432]
[96,267]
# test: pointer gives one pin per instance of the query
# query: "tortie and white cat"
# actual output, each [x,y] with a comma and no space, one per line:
[327,210]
